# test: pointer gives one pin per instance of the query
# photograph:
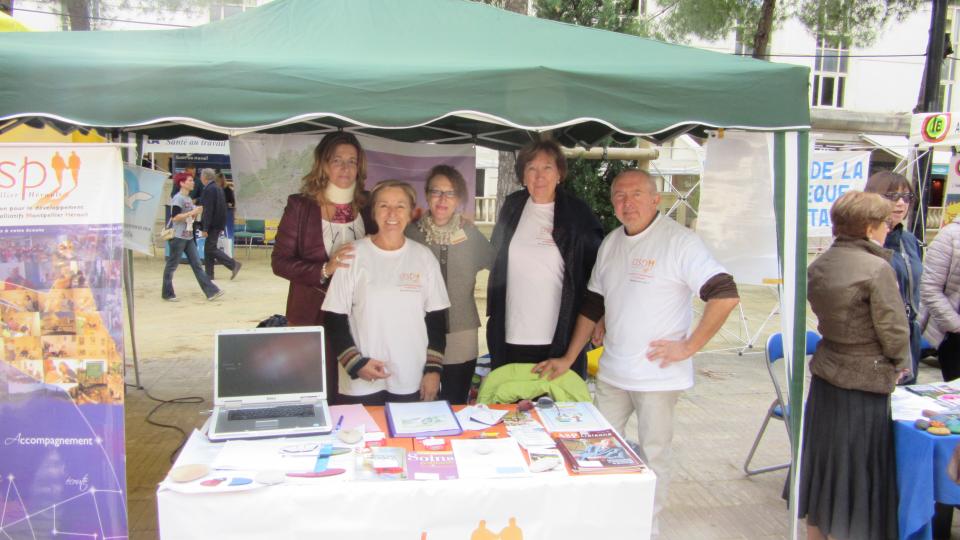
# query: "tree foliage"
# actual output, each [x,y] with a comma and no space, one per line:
[614,15]
[853,22]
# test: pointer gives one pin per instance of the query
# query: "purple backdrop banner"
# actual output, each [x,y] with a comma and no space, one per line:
[62,464]
[268,168]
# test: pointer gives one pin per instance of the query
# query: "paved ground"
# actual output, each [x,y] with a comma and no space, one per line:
[718,420]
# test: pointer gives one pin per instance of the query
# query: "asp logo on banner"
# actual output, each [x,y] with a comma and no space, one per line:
[58,184]
[24,176]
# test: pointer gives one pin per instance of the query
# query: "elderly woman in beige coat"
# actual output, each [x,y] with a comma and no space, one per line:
[940,296]
[848,484]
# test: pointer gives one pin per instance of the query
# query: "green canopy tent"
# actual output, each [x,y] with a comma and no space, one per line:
[421,70]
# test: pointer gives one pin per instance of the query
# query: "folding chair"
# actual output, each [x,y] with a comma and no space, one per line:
[779,410]
[250,230]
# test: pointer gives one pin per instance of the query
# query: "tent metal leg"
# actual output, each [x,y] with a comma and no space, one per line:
[128,290]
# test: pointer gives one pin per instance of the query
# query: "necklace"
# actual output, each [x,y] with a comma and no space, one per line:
[439,234]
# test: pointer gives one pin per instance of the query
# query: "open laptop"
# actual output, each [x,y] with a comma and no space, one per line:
[269,382]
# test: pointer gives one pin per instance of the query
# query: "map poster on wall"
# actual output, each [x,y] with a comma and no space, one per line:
[62,470]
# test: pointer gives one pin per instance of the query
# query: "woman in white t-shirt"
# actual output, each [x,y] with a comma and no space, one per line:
[385,313]
[546,241]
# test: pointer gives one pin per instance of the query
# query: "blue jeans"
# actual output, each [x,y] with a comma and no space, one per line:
[177,247]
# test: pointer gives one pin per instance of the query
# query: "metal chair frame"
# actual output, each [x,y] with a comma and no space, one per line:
[779,409]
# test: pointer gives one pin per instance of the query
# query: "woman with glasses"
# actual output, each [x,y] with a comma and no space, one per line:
[315,233]
[546,240]
[385,313]
[462,251]
[906,251]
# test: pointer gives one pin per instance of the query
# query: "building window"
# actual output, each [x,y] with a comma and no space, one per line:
[829,72]
[741,47]
[227,8]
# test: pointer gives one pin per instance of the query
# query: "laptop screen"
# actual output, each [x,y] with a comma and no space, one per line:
[270,363]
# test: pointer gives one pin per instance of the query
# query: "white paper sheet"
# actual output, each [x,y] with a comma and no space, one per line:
[489,458]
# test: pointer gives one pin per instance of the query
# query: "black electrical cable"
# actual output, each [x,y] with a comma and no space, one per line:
[162,402]
[93,18]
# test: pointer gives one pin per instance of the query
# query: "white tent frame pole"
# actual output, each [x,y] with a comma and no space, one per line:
[791,163]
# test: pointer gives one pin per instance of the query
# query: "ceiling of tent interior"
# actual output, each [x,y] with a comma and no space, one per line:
[413,70]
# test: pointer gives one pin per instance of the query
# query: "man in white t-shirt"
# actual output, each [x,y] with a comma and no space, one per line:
[643,283]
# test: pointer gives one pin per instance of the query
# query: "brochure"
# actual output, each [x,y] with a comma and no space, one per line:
[431,466]
[597,452]
[572,416]
[421,419]
[489,458]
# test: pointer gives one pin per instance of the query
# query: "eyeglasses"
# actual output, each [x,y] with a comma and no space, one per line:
[897,195]
[341,163]
[436,194]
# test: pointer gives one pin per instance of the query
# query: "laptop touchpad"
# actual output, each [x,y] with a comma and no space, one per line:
[269,423]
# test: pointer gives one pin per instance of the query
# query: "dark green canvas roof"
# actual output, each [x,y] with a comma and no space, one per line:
[441,69]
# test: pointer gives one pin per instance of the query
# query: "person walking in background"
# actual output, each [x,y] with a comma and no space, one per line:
[230,196]
[212,223]
[315,235]
[462,251]
[182,215]
[848,486]
[546,242]
[906,252]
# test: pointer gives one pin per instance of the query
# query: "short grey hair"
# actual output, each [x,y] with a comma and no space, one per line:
[207,175]
[634,170]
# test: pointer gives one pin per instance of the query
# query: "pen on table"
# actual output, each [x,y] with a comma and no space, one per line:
[336,428]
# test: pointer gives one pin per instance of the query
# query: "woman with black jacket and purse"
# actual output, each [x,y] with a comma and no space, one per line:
[546,241]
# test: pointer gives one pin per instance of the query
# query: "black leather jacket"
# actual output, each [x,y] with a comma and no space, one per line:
[577,233]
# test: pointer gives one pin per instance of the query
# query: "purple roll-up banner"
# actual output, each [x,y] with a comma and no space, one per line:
[62,460]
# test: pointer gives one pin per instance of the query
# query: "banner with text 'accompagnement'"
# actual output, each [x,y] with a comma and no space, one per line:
[142,193]
[62,466]
[831,175]
[268,168]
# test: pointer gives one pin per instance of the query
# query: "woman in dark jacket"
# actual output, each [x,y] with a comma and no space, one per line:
[906,251]
[546,242]
[323,219]
[848,472]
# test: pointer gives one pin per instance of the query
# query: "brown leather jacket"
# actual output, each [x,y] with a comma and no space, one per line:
[300,259]
[866,340]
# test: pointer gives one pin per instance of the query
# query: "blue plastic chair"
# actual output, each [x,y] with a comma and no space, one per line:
[778,410]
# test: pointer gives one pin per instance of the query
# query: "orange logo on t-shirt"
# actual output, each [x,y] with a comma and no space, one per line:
[410,281]
[641,270]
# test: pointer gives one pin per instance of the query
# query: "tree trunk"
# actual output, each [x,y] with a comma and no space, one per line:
[79,12]
[506,178]
[761,40]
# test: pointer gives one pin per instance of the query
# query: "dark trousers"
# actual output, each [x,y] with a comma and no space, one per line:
[455,382]
[379,398]
[179,246]
[213,254]
[949,355]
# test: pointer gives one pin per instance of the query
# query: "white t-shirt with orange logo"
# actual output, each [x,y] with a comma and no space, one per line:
[648,282]
[534,278]
[386,295]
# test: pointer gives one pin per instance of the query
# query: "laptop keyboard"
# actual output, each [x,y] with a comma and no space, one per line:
[287,411]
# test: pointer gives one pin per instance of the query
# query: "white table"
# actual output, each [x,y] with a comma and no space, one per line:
[542,505]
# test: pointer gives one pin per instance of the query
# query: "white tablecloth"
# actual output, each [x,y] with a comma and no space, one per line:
[541,506]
